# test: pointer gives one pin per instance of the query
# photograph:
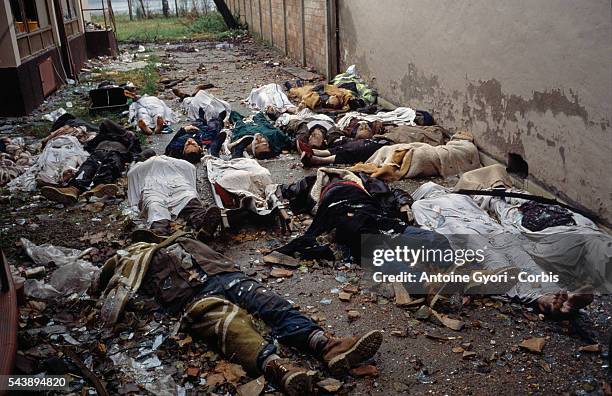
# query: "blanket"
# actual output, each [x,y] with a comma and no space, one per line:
[411,160]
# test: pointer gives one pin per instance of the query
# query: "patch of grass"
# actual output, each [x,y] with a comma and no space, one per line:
[145,79]
[158,28]
[38,129]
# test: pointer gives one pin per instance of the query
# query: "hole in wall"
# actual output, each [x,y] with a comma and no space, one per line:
[517,165]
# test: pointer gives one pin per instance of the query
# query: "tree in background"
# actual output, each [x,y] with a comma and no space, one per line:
[225,12]
[166,8]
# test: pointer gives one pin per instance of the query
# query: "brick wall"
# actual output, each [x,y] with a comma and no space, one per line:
[278,24]
[265,20]
[255,26]
[297,27]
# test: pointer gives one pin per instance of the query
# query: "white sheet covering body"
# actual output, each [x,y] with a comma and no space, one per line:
[310,117]
[62,154]
[149,108]
[211,106]
[245,178]
[269,95]
[401,115]
[161,186]
[580,254]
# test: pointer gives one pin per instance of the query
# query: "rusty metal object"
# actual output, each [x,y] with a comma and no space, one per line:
[8,319]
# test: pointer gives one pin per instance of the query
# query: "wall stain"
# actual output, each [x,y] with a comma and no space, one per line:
[417,86]
[489,94]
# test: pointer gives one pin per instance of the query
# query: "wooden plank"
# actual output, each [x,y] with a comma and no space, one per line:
[402,298]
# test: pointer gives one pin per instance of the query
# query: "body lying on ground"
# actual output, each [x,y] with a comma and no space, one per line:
[151,115]
[579,253]
[317,130]
[191,140]
[67,124]
[259,137]
[109,150]
[15,158]
[398,161]
[55,166]
[163,189]
[346,210]
[242,183]
[325,98]
[350,204]
[270,99]
[206,106]
[348,153]
[216,299]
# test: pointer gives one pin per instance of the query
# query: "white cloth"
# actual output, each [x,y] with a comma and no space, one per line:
[310,117]
[269,95]
[62,154]
[399,116]
[579,254]
[245,178]
[148,109]
[161,186]
[211,106]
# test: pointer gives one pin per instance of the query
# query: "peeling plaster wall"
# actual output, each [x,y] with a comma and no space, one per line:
[531,78]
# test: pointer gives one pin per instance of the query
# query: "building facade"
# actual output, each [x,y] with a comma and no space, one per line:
[42,44]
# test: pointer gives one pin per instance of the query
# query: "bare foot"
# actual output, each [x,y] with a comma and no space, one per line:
[159,124]
[144,127]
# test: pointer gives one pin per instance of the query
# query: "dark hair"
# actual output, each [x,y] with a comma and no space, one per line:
[146,154]
[194,157]
[265,155]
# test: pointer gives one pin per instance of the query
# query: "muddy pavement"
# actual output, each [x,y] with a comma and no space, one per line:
[418,355]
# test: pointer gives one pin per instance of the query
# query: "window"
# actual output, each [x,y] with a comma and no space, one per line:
[17,16]
[69,9]
[32,25]
[30,15]
[71,22]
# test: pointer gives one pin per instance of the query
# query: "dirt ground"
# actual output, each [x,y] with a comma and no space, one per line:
[417,356]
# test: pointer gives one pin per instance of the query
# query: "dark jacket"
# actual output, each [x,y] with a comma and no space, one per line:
[110,131]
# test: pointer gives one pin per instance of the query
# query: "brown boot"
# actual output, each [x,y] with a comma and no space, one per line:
[342,354]
[102,190]
[210,223]
[65,195]
[293,380]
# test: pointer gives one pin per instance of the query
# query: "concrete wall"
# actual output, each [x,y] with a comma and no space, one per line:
[525,78]
[295,27]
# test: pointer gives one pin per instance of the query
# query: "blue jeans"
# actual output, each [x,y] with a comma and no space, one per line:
[288,325]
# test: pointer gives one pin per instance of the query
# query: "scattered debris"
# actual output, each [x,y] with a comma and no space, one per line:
[331,385]
[365,371]
[281,273]
[344,296]
[252,388]
[281,259]
[590,348]
[535,344]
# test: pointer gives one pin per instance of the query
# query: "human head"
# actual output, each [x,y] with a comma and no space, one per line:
[272,112]
[316,138]
[192,152]
[260,147]
[363,131]
[334,102]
